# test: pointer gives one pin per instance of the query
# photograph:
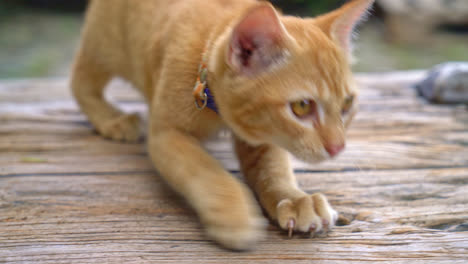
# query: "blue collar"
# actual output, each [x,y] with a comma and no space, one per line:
[211,104]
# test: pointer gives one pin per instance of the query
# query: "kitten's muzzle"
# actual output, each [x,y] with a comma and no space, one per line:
[334,149]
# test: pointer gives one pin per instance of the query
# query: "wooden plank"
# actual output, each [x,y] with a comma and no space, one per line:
[74,144]
[394,129]
[69,196]
[92,218]
[46,90]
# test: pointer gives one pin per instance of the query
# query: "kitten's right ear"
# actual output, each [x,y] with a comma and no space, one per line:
[340,24]
[257,41]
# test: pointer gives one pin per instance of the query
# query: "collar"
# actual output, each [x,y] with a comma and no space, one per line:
[201,91]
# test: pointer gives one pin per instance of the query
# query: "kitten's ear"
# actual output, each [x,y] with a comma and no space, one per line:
[340,24]
[257,41]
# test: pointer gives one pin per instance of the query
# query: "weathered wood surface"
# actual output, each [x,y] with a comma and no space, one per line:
[69,196]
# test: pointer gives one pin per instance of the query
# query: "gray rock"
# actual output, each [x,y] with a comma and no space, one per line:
[433,12]
[446,83]
[414,21]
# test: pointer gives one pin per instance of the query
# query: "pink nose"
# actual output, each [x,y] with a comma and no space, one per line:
[333,150]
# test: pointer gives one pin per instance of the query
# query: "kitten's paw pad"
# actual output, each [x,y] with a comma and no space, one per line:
[127,128]
[238,237]
[308,214]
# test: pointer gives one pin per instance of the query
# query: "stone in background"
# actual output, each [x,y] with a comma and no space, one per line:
[413,20]
[446,83]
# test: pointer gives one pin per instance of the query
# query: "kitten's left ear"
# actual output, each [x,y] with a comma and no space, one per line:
[257,41]
[340,24]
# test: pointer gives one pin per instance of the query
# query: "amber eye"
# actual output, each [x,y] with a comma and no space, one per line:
[348,104]
[304,108]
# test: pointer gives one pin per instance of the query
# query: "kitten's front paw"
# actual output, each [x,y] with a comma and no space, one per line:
[311,213]
[127,128]
[236,223]
[237,236]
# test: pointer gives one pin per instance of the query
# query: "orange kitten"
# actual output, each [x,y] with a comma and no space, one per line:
[280,83]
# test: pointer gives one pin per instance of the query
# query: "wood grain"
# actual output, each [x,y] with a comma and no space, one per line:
[69,196]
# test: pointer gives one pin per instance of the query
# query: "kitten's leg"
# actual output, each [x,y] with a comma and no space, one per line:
[226,207]
[88,83]
[268,172]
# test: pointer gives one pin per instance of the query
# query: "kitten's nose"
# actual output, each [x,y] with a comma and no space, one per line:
[333,150]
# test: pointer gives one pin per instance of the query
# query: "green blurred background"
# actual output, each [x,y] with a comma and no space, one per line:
[38,38]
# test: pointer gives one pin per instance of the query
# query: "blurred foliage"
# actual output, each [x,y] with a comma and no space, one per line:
[49,5]
[39,37]
[36,41]
[296,7]
[7,8]
[307,7]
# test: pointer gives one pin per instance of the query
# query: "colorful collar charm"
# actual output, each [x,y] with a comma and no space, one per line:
[201,91]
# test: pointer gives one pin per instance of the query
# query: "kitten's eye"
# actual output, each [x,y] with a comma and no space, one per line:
[348,104]
[304,108]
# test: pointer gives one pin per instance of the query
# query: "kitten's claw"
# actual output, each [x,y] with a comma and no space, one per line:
[290,227]
[308,214]
[312,228]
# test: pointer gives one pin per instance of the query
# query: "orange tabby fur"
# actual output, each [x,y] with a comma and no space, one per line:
[158,45]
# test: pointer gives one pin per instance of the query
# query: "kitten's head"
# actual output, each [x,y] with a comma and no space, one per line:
[288,81]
